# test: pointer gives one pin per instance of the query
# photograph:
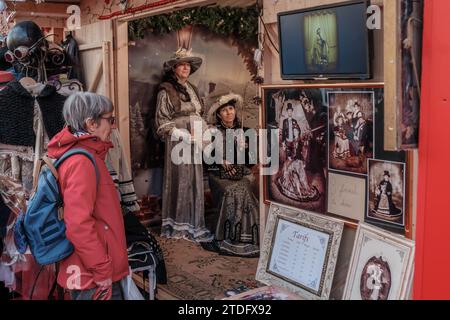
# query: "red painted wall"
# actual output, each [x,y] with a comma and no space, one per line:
[431,279]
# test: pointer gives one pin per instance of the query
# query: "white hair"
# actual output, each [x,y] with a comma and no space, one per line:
[81,106]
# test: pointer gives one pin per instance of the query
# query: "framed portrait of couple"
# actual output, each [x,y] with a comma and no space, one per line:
[330,153]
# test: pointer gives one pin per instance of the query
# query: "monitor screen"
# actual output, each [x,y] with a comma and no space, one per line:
[325,42]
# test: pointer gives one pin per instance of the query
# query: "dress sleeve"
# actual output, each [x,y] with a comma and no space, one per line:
[164,115]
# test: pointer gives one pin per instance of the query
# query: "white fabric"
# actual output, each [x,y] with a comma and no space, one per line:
[291,132]
[130,290]
[7,276]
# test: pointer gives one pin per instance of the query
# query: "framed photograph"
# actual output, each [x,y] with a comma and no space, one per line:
[299,116]
[411,26]
[299,252]
[403,24]
[347,196]
[386,194]
[381,266]
[351,116]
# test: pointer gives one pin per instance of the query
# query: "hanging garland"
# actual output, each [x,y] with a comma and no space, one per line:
[242,23]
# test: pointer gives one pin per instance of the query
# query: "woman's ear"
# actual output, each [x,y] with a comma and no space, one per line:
[91,125]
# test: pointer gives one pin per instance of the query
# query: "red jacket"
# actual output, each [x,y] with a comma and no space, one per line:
[93,217]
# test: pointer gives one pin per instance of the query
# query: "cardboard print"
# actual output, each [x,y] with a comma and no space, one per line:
[386,193]
[300,116]
[381,266]
[347,196]
[351,130]
[376,279]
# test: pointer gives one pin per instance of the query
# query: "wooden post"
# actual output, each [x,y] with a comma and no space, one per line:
[123,100]
[391,72]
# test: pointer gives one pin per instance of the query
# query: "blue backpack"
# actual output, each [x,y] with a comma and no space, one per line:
[42,227]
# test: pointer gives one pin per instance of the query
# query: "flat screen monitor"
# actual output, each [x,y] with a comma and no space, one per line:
[325,42]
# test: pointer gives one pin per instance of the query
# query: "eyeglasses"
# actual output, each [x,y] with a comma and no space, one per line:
[19,54]
[111,120]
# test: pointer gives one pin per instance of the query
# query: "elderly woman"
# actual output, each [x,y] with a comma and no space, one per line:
[92,212]
[237,230]
[178,108]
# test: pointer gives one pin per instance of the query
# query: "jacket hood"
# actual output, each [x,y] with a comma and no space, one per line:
[66,140]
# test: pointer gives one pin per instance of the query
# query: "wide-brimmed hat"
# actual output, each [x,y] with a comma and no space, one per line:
[183,55]
[223,100]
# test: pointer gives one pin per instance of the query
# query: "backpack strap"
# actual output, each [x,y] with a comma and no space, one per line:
[70,153]
[50,165]
[36,176]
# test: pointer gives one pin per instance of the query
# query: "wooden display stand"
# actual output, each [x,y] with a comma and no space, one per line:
[266,293]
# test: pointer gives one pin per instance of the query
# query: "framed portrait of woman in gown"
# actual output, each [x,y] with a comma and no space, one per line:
[386,193]
[298,115]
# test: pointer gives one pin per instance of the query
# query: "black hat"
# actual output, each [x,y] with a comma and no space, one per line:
[25,33]
[386,173]
[289,106]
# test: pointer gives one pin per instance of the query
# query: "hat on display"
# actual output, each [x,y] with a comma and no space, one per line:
[25,33]
[183,55]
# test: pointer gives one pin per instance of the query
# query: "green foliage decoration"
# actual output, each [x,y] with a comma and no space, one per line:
[240,23]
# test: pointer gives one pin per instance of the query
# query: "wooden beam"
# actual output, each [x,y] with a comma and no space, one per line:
[391,73]
[90,46]
[40,8]
[164,9]
[123,98]
[106,53]
[98,76]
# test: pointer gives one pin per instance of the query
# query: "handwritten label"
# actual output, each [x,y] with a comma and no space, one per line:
[347,196]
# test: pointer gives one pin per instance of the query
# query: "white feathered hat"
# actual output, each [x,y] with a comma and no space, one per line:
[223,99]
[183,55]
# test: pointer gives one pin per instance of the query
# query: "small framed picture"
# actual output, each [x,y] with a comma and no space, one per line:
[299,252]
[347,195]
[381,266]
[351,117]
[386,194]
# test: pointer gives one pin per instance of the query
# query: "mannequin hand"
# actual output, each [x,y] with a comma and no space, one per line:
[213,130]
[229,168]
[184,135]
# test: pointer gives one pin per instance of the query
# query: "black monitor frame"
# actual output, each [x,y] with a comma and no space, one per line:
[318,76]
